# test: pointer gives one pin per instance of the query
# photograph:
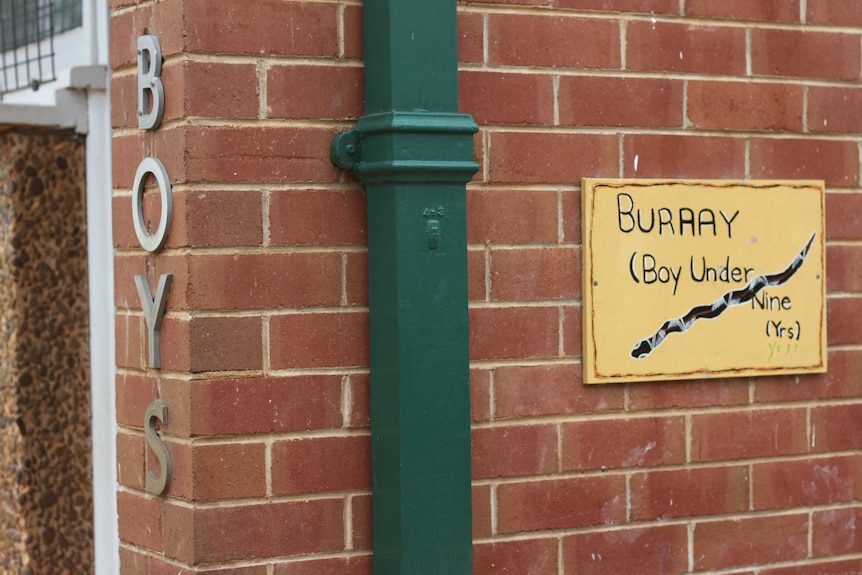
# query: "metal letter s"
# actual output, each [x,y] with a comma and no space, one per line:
[160,484]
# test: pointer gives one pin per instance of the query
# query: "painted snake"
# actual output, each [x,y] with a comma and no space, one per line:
[730,299]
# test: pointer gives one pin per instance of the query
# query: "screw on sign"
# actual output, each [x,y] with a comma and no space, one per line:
[151,108]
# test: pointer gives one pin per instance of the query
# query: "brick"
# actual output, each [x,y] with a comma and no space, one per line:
[314,92]
[246,154]
[124,31]
[499,98]
[353,565]
[479,154]
[550,390]
[134,393]
[210,535]
[836,428]
[537,556]
[805,483]
[471,37]
[750,541]
[834,161]
[174,344]
[124,101]
[211,219]
[672,47]
[127,152]
[514,450]
[228,470]
[159,567]
[238,406]
[356,278]
[689,493]
[122,228]
[604,101]
[133,562]
[535,274]
[361,521]
[764,10]
[511,216]
[567,42]
[353,31]
[314,465]
[319,340]
[571,206]
[838,382]
[360,401]
[830,567]
[748,434]
[842,313]
[126,267]
[835,532]
[617,443]
[560,503]
[642,6]
[182,467]
[799,53]
[481,511]
[480,394]
[517,332]
[744,106]
[317,217]
[661,156]
[130,342]
[130,459]
[302,28]
[548,158]
[140,521]
[572,331]
[210,90]
[264,281]
[476,275]
[845,267]
[695,393]
[834,110]
[519,2]
[830,12]
[659,549]
[843,215]
[213,343]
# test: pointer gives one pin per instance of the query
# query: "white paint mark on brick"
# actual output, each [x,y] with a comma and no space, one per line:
[748,52]
[267,458]
[623,41]
[637,157]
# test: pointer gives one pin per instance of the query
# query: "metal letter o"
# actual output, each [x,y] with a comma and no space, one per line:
[151,242]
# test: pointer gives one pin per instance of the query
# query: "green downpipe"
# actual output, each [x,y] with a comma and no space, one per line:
[413,152]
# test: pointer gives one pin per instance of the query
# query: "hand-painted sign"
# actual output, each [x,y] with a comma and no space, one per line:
[687,279]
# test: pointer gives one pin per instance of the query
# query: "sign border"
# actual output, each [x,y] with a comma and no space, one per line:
[590,374]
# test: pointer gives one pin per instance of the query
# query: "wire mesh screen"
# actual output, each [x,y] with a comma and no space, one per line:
[27,29]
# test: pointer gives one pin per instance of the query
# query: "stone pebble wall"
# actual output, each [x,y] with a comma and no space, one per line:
[46,516]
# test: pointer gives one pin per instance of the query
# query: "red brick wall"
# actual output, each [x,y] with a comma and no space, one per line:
[265,348]
[724,476]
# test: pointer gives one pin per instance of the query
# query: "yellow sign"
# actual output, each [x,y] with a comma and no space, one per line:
[687,279]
